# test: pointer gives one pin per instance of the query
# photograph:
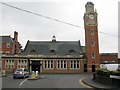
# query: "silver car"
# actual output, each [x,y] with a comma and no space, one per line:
[20,72]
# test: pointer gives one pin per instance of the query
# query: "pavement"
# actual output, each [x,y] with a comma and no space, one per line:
[98,86]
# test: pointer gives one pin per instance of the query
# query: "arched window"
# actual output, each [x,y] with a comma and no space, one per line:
[71,51]
[33,52]
[52,51]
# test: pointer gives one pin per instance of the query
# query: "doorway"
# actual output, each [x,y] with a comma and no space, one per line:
[36,66]
[93,68]
[85,67]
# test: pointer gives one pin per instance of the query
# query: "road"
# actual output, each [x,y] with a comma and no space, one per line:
[49,81]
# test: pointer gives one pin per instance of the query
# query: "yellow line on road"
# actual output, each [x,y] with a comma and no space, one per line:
[81,82]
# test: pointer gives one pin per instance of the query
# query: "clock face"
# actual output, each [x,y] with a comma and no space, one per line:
[91,16]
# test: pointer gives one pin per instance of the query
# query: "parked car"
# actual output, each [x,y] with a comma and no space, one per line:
[20,72]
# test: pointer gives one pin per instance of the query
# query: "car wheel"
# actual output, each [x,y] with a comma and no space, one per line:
[14,77]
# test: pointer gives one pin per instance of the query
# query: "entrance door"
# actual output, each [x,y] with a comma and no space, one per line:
[93,68]
[85,67]
[36,66]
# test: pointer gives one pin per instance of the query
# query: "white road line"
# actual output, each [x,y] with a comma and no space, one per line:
[23,82]
[80,81]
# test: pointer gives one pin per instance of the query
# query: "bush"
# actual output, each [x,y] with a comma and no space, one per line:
[106,73]
[103,72]
[115,73]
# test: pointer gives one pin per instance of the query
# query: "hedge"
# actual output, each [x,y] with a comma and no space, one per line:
[106,73]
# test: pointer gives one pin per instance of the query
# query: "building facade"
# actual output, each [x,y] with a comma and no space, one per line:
[48,57]
[10,45]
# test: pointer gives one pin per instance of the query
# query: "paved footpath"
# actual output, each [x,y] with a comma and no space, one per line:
[98,86]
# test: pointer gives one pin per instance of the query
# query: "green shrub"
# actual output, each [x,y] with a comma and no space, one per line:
[106,73]
[103,72]
[115,73]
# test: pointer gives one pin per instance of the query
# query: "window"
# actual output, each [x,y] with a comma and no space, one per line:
[92,32]
[7,52]
[7,61]
[52,51]
[10,61]
[22,61]
[78,64]
[33,52]
[93,55]
[8,45]
[65,64]
[51,64]
[25,61]
[6,66]
[74,64]
[25,69]
[92,43]
[62,64]
[58,64]
[71,51]
[71,65]
[19,61]
[45,64]
[48,64]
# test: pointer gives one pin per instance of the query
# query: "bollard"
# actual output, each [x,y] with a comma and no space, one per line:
[36,73]
[33,74]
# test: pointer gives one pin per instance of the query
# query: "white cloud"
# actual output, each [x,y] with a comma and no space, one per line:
[31,27]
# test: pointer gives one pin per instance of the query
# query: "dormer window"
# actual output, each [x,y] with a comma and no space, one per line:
[71,51]
[52,51]
[8,45]
[33,52]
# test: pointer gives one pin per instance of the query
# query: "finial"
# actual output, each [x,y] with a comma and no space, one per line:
[95,10]
[54,38]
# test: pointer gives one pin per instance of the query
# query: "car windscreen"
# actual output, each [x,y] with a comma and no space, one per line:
[18,69]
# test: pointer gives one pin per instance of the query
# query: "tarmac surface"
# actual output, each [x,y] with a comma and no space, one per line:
[80,81]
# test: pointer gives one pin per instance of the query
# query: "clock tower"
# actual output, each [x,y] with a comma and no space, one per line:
[91,37]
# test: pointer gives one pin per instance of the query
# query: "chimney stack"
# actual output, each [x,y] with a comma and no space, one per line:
[15,36]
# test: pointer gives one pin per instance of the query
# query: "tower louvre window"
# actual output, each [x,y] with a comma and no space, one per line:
[92,43]
[92,32]
[93,55]
[8,45]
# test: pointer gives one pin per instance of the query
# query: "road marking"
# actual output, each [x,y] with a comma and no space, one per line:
[81,82]
[23,82]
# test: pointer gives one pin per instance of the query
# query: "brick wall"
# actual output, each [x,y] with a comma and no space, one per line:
[108,58]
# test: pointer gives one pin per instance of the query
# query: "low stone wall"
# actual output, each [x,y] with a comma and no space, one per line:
[107,80]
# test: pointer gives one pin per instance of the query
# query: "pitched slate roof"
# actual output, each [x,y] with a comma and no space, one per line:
[6,39]
[50,47]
